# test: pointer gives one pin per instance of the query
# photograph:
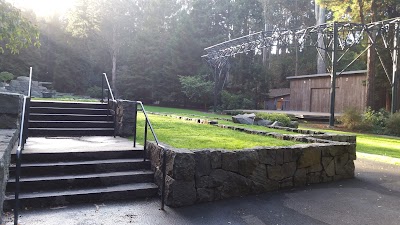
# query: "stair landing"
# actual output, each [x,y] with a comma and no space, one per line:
[78,144]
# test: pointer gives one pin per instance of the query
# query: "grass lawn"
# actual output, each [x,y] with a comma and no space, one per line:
[373,144]
[181,134]
[184,112]
[190,113]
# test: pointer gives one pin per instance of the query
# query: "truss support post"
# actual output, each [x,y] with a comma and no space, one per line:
[395,79]
[333,75]
[215,89]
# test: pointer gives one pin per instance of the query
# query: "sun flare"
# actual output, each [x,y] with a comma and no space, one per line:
[44,8]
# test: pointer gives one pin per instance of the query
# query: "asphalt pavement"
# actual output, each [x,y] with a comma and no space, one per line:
[372,197]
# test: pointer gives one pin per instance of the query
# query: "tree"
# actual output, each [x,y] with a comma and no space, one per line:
[365,12]
[15,31]
[197,89]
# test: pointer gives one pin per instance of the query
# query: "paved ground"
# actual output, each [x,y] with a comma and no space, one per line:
[373,197]
[77,144]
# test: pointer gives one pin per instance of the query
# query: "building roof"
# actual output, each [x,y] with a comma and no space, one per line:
[356,72]
[273,93]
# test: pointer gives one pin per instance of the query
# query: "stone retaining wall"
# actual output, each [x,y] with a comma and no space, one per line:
[10,108]
[8,139]
[195,176]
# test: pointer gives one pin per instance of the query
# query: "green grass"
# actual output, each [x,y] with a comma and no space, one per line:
[374,144]
[190,113]
[184,112]
[181,134]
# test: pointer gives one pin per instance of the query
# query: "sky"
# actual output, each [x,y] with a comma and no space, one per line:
[44,8]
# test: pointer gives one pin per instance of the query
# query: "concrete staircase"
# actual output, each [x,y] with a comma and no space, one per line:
[53,179]
[62,174]
[69,119]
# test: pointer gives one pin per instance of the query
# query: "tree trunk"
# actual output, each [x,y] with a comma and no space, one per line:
[371,58]
[321,58]
[114,62]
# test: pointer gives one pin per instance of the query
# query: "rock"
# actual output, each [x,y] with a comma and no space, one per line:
[263,122]
[244,118]
[203,163]
[205,195]
[216,161]
[247,162]
[180,193]
[267,156]
[10,103]
[294,124]
[277,124]
[229,161]
[311,156]
[8,122]
[340,162]
[205,182]
[286,183]
[125,117]
[230,184]
[184,166]
[329,166]
[300,177]
[314,178]
[280,172]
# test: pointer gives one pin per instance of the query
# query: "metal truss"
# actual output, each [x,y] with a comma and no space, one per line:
[333,39]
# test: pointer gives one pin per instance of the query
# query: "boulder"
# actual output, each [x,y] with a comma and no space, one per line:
[294,124]
[277,124]
[244,118]
[263,122]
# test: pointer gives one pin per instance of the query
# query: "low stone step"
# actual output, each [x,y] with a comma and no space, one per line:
[44,183]
[99,194]
[71,124]
[56,110]
[79,156]
[68,117]
[62,104]
[80,167]
[69,132]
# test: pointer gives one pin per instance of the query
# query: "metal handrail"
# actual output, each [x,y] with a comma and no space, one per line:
[163,168]
[110,94]
[23,135]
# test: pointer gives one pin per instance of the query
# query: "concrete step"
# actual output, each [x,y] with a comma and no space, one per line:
[79,156]
[69,132]
[98,194]
[56,110]
[62,104]
[80,167]
[79,181]
[70,124]
[68,117]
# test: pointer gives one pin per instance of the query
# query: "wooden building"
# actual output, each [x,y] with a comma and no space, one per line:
[312,92]
[278,99]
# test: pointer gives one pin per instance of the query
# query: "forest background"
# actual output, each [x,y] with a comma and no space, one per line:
[152,49]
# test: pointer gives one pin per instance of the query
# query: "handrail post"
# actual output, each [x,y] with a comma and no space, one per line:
[115,118]
[145,140]
[164,172]
[102,89]
[135,124]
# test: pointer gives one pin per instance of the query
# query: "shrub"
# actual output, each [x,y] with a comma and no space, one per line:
[351,118]
[374,121]
[95,92]
[393,124]
[6,76]
[282,118]
[235,101]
